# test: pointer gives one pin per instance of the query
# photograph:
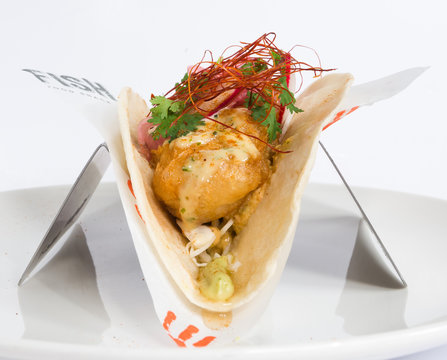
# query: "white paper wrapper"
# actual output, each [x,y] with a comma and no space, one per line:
[374,91]
[182,320]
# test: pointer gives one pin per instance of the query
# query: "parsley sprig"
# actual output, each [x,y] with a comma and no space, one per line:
[171,120]
[262,110]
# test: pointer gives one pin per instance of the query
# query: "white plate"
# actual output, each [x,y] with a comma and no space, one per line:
[90,300]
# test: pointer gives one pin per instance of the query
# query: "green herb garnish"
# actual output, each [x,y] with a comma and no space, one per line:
[171,120]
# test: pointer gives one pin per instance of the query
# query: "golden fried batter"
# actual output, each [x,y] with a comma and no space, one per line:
[206,174]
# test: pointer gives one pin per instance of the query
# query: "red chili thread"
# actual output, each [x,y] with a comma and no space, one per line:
[226,74]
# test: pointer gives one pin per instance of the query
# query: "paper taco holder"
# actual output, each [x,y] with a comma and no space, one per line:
[186,324]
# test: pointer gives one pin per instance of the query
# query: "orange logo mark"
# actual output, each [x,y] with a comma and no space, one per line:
[340,115]
[204,342]
[170,317]
[352,109]
[139,214]
[129,185]
[185,334]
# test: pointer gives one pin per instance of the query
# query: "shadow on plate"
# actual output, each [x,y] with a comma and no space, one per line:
[61,302]
[90,287]
[335,250]
[120,280]
[373,299]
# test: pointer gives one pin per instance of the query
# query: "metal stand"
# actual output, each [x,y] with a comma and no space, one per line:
[92,173]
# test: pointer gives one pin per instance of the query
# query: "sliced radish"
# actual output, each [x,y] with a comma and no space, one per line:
[145,138]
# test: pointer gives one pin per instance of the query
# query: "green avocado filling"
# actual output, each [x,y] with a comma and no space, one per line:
[215,281]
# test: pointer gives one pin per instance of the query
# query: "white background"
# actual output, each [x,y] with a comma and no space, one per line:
[399,144]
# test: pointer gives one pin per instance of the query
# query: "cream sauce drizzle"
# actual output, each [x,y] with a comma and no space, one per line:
[200,171]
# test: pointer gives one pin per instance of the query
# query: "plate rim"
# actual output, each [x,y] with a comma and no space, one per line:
[392,343]
[422,337]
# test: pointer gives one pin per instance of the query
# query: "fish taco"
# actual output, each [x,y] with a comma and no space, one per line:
[218,167]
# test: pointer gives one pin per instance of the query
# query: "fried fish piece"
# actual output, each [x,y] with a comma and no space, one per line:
[206,174]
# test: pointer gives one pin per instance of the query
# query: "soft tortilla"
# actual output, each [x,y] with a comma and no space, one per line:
[264,244]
